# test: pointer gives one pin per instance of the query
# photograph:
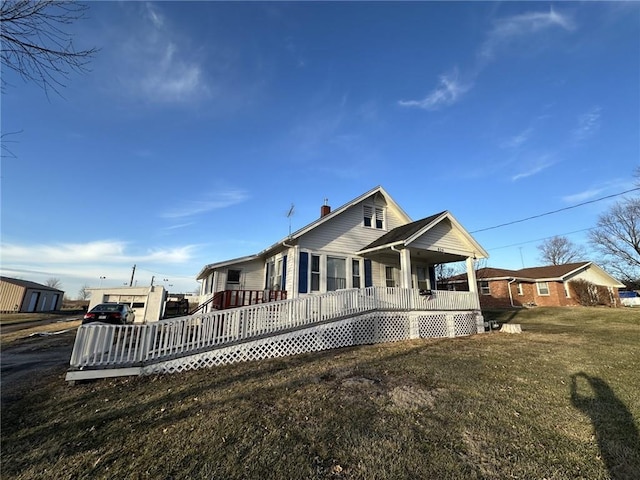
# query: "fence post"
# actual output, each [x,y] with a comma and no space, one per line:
[414,326]
[451,325]
[479,322]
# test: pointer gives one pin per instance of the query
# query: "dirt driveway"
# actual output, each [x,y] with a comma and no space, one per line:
[32,352]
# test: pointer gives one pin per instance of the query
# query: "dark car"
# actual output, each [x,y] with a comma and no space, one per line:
[113,313]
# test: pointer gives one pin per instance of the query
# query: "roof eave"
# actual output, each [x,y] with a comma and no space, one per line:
[225,263]
[380,247]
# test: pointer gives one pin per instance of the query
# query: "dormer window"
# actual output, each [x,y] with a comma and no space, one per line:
[373,217]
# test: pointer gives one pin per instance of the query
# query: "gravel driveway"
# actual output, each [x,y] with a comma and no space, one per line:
[24,360]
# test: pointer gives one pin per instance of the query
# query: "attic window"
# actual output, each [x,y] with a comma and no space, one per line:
[373,217]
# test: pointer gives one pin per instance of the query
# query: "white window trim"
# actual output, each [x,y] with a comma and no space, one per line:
[482,289]
[543,294]
[375,212]
[520,289]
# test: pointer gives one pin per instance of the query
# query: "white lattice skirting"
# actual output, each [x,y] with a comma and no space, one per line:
[368,328]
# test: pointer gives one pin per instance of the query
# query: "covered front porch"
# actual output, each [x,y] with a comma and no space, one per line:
[409,254]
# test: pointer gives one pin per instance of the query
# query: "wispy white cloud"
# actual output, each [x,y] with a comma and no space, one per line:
[181,225]
[506,30]
[588,124]
[582,196]
[448,91]
[158,68]
[535,167]
[614,185]
[154,16]
[517,140]
[215,201]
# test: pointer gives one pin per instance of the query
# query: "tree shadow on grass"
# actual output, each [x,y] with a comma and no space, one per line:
[613,424]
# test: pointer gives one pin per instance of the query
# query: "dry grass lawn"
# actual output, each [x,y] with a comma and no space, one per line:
[559,401]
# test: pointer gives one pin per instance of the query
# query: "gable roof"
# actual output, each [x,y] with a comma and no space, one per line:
[402,233]
[27,284]
[307,228]
[545,273]
[339,210]
[405,234]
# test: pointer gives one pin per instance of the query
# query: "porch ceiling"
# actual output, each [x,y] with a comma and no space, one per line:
[417,256]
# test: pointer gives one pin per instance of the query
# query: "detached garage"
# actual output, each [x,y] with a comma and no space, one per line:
[23,296]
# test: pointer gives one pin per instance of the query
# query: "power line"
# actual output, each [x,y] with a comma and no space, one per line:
[555,211]
[539,239]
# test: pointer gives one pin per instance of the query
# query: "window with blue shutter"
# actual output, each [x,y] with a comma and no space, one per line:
[303,273]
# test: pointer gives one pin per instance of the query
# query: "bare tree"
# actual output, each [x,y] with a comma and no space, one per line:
[559,251]
[617,238]
[54,283]
[34,42]
[84,293]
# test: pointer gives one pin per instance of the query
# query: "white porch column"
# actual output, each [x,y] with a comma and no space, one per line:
[471,275]
[405,268]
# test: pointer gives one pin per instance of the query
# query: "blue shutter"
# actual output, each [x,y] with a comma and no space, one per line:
[284,273]
[432,277]
[368,278]
[303,273]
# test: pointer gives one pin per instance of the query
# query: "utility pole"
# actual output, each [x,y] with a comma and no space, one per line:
[133,272]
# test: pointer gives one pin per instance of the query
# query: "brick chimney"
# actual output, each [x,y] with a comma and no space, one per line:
[325,209]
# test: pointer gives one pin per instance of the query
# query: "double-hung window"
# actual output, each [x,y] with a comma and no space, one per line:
[423,276]
[233,279]
[315,273]
[543,288]
[484,287]
[390,276]
[336,273]
[355,273]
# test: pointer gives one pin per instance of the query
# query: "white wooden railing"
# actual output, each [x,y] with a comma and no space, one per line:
[99,346]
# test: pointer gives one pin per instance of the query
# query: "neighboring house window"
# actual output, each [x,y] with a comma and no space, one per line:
[315,273]
[566,289]
[390,276]
[336,273]
[373,217]
[423,276]
[543,288]
[484,287]
[355,273]
[520,292]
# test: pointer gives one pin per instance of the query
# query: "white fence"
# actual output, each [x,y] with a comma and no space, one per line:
[630,302]
[120,346]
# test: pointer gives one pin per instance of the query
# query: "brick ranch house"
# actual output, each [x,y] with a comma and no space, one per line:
[541,286]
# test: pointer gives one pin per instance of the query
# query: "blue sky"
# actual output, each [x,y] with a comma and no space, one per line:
[201,123]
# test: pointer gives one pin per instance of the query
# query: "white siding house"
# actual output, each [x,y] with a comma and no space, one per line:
[369,241]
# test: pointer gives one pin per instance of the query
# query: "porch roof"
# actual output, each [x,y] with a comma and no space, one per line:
[406,234]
